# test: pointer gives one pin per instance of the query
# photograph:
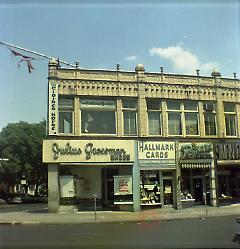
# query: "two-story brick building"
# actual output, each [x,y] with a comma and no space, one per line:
[137,139]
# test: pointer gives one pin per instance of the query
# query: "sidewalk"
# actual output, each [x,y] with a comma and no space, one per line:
[153,215]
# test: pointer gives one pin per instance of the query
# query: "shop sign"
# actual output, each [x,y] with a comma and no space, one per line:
[98,104]
[53,108]
[196,151]
[87,151]
[228,151]
[156,152]
[122,185]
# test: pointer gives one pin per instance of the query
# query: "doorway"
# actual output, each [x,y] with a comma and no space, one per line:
[198,189]
[168,191]
[108,186]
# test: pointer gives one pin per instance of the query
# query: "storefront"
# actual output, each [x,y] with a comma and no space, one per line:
[228,172]
[80,169]
[196,162]
[157,167]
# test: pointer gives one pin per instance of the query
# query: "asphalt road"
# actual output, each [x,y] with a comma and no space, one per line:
[190,233]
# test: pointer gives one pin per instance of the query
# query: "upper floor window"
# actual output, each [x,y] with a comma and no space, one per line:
[209,118]
[182,118]
[65,108]
[129,108]
[230,119]
[154,117]
[98,116]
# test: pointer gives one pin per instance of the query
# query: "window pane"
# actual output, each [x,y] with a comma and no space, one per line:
[65,102]
[98,122]
[191,121]
[209,107]
[190,105]
[129,103]
[173,105]
[174,123]
[130,123]
[65,122]
[229,107]
[230,125]
[153,105]
[210,125]
[154,127]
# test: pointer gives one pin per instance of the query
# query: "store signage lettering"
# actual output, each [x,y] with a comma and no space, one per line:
[116,154]
[156,150]
[53,108]
[228,151]
[192,151]
[100,104]
[66,150]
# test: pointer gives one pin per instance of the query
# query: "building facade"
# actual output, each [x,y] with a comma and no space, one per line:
[131,140]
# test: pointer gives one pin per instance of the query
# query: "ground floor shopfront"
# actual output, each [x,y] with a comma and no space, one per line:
[228,172]
[134,175]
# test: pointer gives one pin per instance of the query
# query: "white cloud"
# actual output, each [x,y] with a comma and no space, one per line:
[183,60]
[131,58]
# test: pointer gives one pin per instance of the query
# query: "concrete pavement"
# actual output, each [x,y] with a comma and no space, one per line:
[41,216]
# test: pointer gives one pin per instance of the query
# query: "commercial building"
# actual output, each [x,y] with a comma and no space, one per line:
[136,139]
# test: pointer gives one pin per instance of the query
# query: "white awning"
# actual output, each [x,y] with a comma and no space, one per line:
[195,165]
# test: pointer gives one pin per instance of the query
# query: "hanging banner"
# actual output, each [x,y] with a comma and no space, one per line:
[53,108]
[122,185]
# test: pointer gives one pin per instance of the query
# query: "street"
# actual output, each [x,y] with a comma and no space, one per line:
[188,233]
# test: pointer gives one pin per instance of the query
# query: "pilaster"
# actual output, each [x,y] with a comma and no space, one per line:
[136,181]
[53,188]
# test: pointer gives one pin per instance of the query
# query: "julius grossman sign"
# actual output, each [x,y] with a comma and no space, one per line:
[58,151]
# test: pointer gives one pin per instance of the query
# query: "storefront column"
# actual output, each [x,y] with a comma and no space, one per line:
[161,189]
[77,122]
[238,118]
[136,181]
[178,178]
[201,120]
[119,118]
[53,188]
[164,119]
[213,194]
[220,114]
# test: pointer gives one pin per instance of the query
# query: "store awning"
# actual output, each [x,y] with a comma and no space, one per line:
[195,165]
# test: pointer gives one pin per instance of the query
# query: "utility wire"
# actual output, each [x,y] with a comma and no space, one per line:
[36,53]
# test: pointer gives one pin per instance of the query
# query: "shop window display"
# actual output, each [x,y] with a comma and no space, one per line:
[150,188]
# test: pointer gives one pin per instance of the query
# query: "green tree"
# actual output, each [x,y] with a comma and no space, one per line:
[21,143]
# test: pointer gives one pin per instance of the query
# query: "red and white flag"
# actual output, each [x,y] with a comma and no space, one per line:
[24,59]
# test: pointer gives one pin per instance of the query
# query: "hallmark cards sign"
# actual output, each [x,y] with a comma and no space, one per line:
[156,152]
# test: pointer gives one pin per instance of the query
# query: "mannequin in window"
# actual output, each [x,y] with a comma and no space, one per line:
[88,123]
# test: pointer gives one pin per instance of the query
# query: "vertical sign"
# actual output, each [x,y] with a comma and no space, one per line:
[53,108]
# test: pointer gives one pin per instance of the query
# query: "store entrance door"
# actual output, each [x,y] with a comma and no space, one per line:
[108,186]
[168,191]
[198,189]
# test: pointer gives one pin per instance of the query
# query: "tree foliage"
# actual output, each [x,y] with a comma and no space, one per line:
[21,143]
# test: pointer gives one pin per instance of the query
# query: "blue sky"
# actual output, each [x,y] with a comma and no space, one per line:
[179,35]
